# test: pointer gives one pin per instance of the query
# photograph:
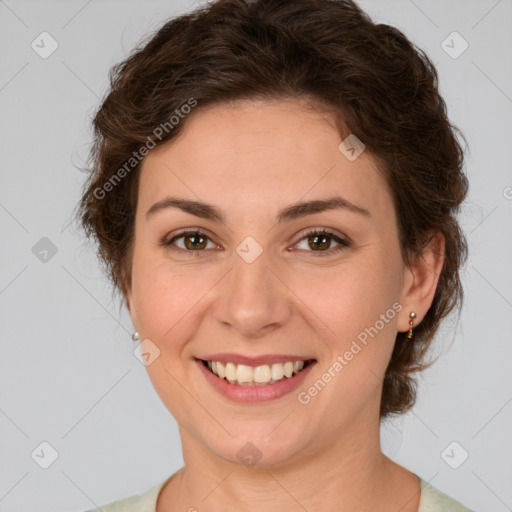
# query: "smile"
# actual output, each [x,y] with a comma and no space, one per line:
[262,375]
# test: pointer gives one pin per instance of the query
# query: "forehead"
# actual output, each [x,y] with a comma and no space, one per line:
[271,152]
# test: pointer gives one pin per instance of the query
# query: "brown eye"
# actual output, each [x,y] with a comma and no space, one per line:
[195,241]
[321,241]
[189,241]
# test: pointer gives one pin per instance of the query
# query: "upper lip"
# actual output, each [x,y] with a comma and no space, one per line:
[254,361]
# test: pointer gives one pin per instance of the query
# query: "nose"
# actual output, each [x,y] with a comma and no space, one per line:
[253,299]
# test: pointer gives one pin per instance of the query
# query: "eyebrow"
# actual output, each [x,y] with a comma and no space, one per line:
[294,211]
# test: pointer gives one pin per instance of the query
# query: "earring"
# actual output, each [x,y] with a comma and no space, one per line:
[135,336]
[412,316]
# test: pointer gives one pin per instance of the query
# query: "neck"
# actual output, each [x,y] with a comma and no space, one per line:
[351,473]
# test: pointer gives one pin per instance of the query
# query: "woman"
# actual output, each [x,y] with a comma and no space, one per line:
[273,189]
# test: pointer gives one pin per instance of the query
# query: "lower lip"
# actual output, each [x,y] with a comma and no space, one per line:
[254,394]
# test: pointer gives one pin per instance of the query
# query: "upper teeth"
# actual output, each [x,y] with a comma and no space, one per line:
[243,374]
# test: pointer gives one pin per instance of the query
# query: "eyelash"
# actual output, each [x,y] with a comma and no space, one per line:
[314,232]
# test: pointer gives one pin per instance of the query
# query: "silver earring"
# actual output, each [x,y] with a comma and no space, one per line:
[135,336]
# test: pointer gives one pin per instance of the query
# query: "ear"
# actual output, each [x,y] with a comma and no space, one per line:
[128,299]
[420,280]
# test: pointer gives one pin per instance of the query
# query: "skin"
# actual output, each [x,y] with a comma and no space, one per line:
[251,159]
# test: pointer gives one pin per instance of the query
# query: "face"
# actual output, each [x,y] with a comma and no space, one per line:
[253,281]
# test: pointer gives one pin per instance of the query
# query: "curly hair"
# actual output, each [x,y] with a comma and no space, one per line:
[377,83]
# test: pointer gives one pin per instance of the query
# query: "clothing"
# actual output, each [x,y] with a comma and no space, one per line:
[431,500]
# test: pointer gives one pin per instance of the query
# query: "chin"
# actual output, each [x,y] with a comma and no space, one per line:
[260,448]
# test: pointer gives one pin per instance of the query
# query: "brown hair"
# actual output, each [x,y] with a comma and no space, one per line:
[382,87]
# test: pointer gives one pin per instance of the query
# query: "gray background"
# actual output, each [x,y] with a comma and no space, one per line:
[68,374]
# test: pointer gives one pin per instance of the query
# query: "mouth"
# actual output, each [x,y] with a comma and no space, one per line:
[256,376]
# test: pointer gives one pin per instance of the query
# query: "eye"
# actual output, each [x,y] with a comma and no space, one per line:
[191,241]
[320,241]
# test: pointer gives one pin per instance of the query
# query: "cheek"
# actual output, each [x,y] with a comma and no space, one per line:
[168,305]
[161,296]
[351,297]
[358,305]
[163,301]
